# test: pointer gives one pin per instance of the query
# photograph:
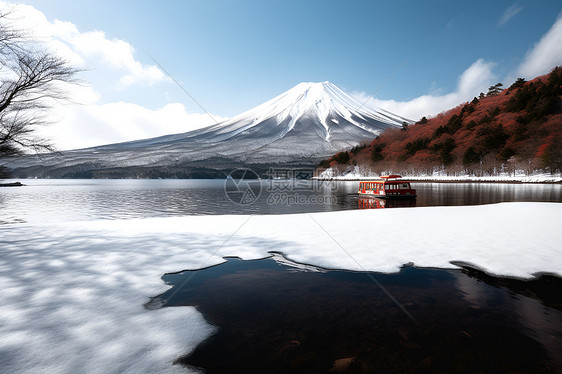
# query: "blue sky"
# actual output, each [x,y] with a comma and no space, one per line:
[234,55]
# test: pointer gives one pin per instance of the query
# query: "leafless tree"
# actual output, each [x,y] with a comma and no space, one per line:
[31,81]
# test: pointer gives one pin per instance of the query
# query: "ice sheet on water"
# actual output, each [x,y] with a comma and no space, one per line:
[73,293]
[72,302]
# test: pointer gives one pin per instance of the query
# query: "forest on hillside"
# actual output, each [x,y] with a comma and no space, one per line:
[505,130]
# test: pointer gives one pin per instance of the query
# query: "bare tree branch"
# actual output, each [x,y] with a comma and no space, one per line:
[31,80]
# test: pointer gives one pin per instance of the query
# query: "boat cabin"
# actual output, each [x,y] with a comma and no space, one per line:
[389,187]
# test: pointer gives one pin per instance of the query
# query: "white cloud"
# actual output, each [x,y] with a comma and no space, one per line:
[509,13]
[92,49]
[477,78]
[544,55]
[86,120]
[117,54]
[91,125]
[540,59]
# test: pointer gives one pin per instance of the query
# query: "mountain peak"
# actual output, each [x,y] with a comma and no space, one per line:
[319,109]
[303,125]
[313,85]
[316,83]
[324,99]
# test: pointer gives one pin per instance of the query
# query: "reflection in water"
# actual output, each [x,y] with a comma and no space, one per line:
[542,325]
[272,319]
[540,321]
[439,194]
[375,203]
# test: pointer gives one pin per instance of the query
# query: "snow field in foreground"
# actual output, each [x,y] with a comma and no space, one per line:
[73,293]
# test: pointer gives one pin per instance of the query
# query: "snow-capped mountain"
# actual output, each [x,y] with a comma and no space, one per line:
[309,122]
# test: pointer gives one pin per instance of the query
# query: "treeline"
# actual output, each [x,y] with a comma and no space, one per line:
[518,128]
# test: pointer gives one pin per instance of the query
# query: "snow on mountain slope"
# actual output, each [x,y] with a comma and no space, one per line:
[305,124]
[315,105]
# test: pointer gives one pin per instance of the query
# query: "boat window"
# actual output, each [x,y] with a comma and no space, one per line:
[405,185]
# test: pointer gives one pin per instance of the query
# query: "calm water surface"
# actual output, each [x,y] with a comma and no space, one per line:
[275,316]
[69,200]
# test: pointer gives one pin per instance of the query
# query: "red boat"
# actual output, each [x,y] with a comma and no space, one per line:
[390,187]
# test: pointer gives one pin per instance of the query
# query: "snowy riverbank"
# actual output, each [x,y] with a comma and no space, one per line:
[73,293]
[358,173]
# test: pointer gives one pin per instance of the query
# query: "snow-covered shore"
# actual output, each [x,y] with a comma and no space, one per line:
[357,173]
[73,293]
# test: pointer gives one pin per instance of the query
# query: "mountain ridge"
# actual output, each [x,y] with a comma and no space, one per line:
[300,126]
[519,128]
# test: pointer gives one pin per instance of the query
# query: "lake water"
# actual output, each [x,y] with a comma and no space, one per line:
[276,316]
[273,318]
[71,200]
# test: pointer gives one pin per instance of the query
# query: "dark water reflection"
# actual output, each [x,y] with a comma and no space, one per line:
[274,317]
[433,194]
[69,200]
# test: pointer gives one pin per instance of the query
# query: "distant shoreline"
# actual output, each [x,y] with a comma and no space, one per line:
[517,178]
[555,180]
[415,180]
[12,184]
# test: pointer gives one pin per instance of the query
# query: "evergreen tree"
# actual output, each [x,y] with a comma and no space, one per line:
[495,89]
